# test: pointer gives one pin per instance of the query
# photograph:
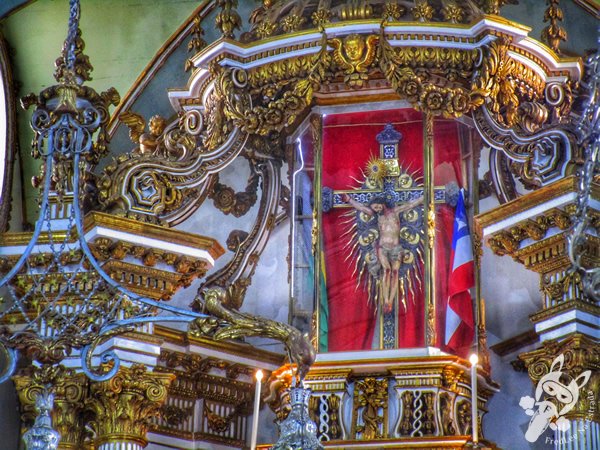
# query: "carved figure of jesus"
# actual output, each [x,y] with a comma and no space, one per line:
[389,250]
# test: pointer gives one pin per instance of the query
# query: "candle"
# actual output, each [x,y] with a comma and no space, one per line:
[474,360]
[259,376]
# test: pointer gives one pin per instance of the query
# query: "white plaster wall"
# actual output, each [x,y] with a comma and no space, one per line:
[209,221]
[511,295]
[268,295]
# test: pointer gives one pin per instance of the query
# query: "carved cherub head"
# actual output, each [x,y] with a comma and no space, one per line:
[354,46]
[157,125]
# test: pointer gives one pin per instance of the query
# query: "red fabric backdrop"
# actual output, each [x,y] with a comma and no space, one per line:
[349,141]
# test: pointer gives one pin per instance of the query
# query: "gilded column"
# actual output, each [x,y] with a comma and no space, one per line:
[69,389]
[125,405]
[429,212]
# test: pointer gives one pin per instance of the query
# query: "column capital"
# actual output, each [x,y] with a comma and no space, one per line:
[125,404]
[69,389]
[579,354]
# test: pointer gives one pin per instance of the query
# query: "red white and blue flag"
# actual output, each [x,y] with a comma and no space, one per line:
[460,325]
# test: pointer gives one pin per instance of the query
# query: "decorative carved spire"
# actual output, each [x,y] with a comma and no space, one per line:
[228,20]
[82,66]
[553,34]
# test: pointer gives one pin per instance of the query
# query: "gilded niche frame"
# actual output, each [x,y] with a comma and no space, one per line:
[244,98]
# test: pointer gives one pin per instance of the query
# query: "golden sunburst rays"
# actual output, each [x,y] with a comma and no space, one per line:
[402,291]
[376,170]
[360,243]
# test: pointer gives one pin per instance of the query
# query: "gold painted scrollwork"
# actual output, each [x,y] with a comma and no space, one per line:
[232,324]
[423,94]
[283,110]
[124,405]
[369,418]
[228,201]
[169,173]
[69,389]
[580,354]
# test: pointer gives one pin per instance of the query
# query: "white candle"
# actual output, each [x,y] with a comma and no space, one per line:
[259,376]
[474,360]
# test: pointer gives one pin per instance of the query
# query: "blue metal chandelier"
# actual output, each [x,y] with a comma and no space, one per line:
[57,298]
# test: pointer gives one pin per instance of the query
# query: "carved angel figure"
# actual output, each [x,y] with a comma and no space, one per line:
[147,141]
[354,55]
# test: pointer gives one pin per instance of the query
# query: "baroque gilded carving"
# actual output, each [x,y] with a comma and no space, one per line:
[580,354]
[269,97]
[324,410]
[236,275]
[208,391]
[145,278]
[148,143]
[509,241]
[554,33]
[422,11]
[195,365]
[369,413]
[534,159]
[217,423]
[447,415]
[353,55]
[174,416]
[196,43]
[69,389]
[228,20]
[565,287]
[273,18]
[419,411]
[125,405]
[463,415]
[228,201]
[335,429]
[226,323]
[170,180]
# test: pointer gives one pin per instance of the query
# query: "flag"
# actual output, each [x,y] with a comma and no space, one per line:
[460,325]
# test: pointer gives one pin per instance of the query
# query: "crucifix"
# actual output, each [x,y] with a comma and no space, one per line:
[387,232]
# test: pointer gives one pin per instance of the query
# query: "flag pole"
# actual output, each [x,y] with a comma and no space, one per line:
[476,253]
